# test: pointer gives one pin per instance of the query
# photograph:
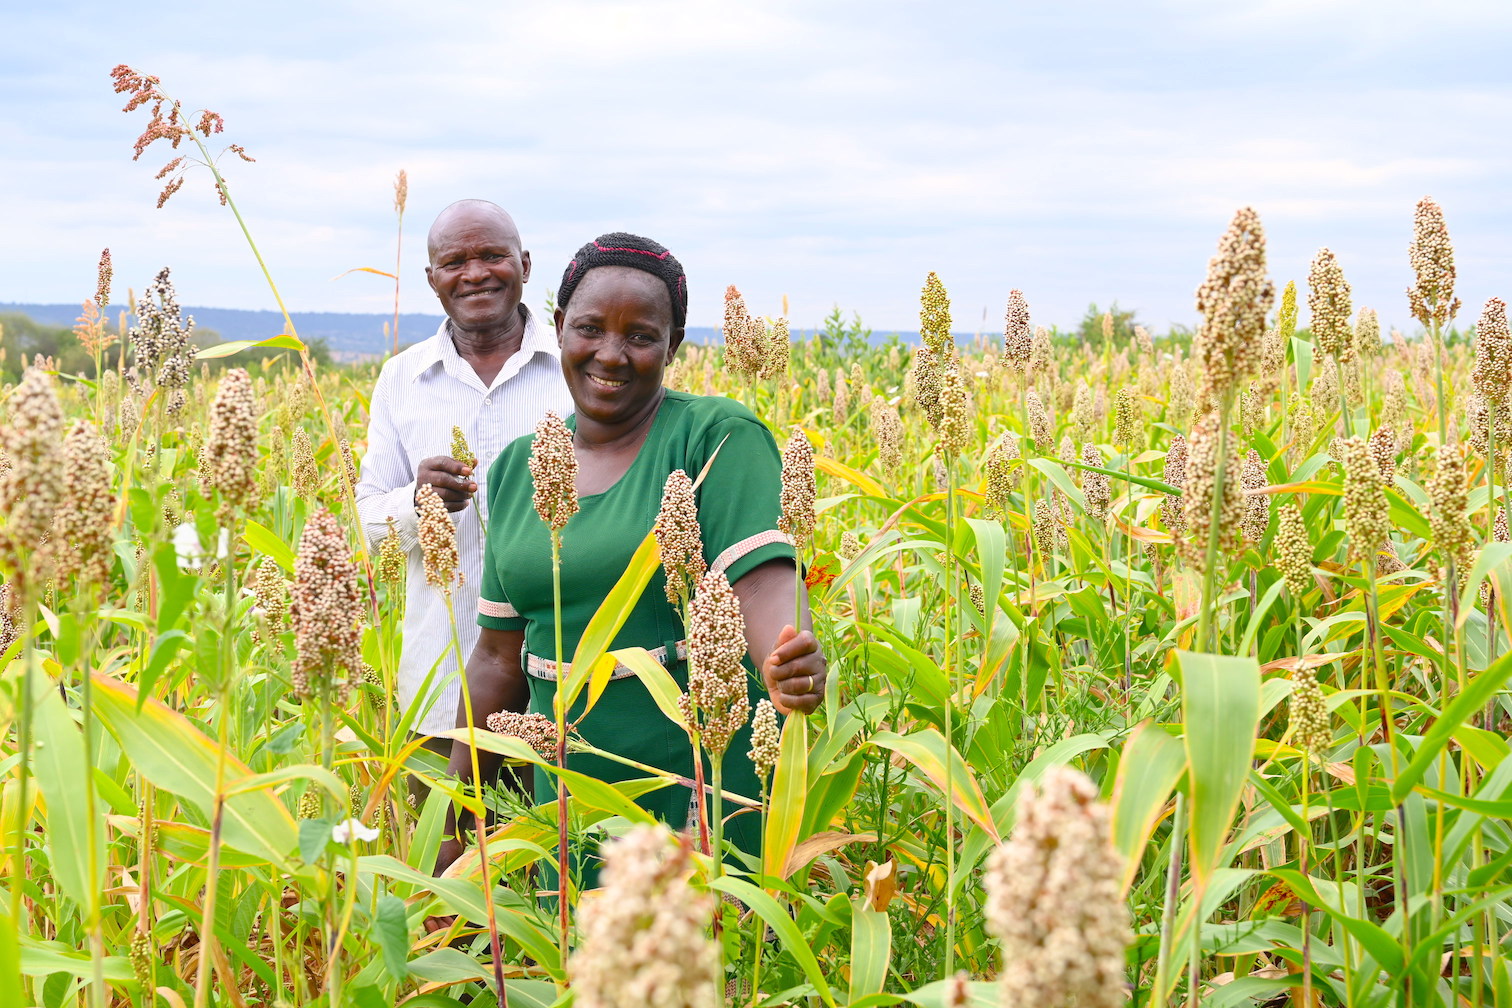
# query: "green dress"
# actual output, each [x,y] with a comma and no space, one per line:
[738,508]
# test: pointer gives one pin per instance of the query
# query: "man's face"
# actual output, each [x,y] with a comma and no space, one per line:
[477,268]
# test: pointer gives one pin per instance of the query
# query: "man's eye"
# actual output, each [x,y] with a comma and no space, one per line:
[493,257]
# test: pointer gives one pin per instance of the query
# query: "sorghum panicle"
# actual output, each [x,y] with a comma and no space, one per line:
[1293,550]
[798,489]
[83,534]
[536,730]
[1055,898]
[304,473]
[1367,513]
[679,537]
[1328,300]
[1233,301]
[232,444]
[927,378]
[31,489]
[1018,338]
[1431,297]
[1095,486]
[1310,728]
[326,610]
[954,428]
[887,428]
[716,697]
[1493,355]
[1201,485]
[766,738]
[392,563]
[1172,515]
[934,314]
[1449,514]
[459,448]
[645,937]
[1256,505]
[553,470]
[1039,422]
[438,540]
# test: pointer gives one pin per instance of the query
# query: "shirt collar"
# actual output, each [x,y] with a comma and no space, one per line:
[439,348]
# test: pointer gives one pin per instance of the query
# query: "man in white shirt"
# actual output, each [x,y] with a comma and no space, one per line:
[490,370]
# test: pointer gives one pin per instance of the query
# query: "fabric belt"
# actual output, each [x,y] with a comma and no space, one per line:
[543,668]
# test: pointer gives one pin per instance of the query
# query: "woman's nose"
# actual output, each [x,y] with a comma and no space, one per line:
[610,349]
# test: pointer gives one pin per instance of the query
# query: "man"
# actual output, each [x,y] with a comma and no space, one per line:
[490,370]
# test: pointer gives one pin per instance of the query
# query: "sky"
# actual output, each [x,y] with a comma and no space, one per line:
[832,153]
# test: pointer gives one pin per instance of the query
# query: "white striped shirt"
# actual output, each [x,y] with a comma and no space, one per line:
[421,393]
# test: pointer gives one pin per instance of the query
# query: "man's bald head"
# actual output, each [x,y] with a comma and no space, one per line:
[470,211]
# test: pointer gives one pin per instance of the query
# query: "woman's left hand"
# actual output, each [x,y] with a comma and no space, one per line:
[795,672]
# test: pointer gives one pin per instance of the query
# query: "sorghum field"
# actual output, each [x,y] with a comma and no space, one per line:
[1164,669]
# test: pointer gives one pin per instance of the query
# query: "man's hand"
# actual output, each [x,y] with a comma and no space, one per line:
[795,671]
[450,478]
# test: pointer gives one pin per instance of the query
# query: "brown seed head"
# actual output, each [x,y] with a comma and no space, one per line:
[1328,300]
[326,611]
[438,540]
[232,444]
[1493,354]
[1039,422]
[1256,505]
[537,730]
[887,428]
[645,937]
[1018,338]
[1234,300]
[1367,513]
[1431,297]
[1174,473]
[553,469]
[1055,898]
[83,534]
[1001,475]
[679,537]
[304,473]
[1095,486]
[30,489]
[1199,490]
[1449,517]
[798,489]
[716,699]
[102,283]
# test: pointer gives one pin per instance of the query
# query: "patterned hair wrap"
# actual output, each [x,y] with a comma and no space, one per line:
[621,249]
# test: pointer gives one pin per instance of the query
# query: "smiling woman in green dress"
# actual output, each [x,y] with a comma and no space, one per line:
[620,319]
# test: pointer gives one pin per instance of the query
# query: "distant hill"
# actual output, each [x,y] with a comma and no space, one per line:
[349,335]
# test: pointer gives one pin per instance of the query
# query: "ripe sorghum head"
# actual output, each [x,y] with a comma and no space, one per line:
[954,427]
[1041,352]
[1449,516]
[30,489]
[1293,556]
[271,591]
[161,341]
[1234,300]
[887,428]
[1182,397]
[741,354]
[1367,334]
[1039,422]
[927,378]
[1328,300]
[1367,513]
[766,738]
[1199,490]
[1383,449]
[1174,473]
[537,730]
[232,444]
[1048,533]
[83,531]
[798,489]
[1018,338]
[934,314]
[1310,727]
[438,540]
[1300,419]
[1067,450]
[1095,485]
[102,283]
[679,537]
[1431,297]
[305,475]
[716,699]
[391,559]
[553,470]
[1126,420]
[841,403]
[1001,477]
[326,611]
[1493,354]
[776,349]
[1142,337]
[645,938]
[1055,898]
[1256,505]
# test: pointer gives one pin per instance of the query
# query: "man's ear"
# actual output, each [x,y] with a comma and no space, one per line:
[525,266]
[430,280]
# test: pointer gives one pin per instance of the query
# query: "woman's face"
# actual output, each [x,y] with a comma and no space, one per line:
[617,338]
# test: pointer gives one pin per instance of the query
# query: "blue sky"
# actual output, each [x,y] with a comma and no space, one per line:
[833,152]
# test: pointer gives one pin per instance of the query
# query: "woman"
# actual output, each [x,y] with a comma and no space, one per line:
[621,312]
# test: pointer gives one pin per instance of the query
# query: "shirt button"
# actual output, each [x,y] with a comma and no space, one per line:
[487,402]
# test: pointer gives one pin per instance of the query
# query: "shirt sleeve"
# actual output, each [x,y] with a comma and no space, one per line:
[494,610]
[386,488]
[739,500]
